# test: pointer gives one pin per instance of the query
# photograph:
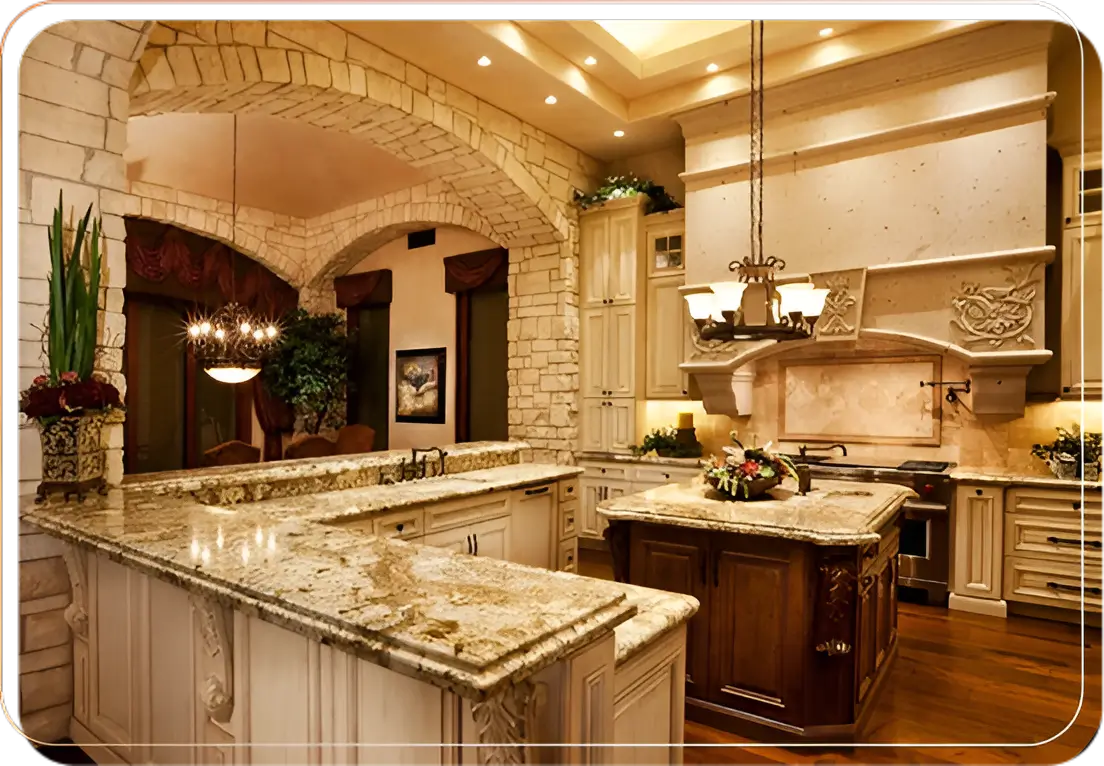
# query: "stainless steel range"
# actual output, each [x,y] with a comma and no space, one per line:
[925,527]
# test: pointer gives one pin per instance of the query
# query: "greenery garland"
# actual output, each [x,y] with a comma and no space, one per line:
[616,187]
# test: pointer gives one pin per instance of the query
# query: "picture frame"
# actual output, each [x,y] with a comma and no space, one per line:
[420,390]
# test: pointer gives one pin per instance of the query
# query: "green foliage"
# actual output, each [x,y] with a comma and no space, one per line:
[74,297]
[616,187]
[1069,447]
[664,442]
[308,368]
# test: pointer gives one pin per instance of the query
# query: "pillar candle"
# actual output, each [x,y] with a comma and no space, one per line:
[686,420]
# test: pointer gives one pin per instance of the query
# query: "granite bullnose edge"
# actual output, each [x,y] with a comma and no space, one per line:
[1002,479]
[657,612]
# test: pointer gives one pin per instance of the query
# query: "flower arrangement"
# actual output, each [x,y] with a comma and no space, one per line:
[664,442]
[46,402]
[744,474]
[616,187]
[1072,455]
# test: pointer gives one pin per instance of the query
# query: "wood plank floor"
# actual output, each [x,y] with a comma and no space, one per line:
[961,679]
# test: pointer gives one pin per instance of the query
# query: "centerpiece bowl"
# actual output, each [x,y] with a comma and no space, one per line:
[746,474]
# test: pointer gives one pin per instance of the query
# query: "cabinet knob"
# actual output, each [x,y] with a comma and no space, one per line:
[399,527]
[978,492]
[1077,505]
[603,470]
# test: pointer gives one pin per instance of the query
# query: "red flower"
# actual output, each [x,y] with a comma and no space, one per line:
[750,469]
[71,399]
[69,377]
[40,380]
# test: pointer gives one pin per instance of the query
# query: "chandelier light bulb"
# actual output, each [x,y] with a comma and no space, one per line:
[245,327]
[193,330]
[220,333]
[270,331]
[258,335]
[205,328]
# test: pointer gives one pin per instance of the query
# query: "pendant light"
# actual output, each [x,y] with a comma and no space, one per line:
[232,343]
[754,307]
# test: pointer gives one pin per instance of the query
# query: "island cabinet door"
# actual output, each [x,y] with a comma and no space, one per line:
[534,513]
[675,560]
[757,626]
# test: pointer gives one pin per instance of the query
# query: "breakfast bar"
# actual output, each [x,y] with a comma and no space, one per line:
[797,626]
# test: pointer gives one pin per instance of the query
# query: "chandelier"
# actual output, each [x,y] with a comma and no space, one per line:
[754,306]
[231,343]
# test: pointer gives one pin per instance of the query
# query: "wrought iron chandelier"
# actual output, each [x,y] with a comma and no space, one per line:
[754,307]
[231,343]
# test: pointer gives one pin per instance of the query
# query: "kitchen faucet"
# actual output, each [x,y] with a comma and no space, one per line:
[805,448]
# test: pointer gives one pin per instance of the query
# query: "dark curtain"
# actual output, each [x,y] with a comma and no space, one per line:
[464,274]
[369,288]
[182,263]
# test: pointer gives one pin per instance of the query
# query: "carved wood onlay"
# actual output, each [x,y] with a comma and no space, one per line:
[216,689]
[841,317]
[994,315]
[506,721]
[76,614]
[833,633]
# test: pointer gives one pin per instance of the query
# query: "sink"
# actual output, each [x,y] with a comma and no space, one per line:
[807,459]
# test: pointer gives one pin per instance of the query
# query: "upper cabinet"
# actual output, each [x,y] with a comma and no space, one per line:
[668,320]
[1080,354]
[610,248]
[666,244]
[1081,189]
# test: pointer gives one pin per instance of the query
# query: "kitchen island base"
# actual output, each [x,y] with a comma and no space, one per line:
[792,639]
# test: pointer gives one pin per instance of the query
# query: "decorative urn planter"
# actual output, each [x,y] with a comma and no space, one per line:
[72,455]
[755,488]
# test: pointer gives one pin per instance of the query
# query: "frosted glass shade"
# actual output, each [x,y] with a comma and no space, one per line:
[700,305]
[729,296]
[232,374]
[803,297]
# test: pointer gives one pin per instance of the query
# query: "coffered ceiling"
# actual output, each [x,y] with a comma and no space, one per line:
[630,76]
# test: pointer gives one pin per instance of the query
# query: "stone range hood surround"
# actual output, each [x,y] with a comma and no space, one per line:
[986,311]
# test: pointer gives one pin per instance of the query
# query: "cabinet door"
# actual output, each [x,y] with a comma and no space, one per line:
[978,546]
[492,538]
[675,560]
[534,512]
[594,258]
[1077,254]
[593,493]
[621,424]
[457,539]
[593,421]
[620,351]
[757,625]
[594,338]
[866,663]
[624,237]
[665,339]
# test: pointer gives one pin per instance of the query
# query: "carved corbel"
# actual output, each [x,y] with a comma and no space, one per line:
[834,607]
[216,690]
[506,722]
[76,614]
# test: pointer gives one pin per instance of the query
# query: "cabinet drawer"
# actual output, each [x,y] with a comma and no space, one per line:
[466,511]
[569,490]
[1052,502]
[405,524]
[1051,538]
[1050,583]
[568,556]
[569,510]
[606,471]
[660,475]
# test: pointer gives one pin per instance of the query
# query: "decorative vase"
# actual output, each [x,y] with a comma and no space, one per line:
[755,488]
[1063,469]
[1091,472]
[72,455]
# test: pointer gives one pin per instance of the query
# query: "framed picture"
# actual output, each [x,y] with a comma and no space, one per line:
[420,385]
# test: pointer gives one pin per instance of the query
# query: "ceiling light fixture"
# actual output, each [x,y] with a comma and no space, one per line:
[752,307]
[712,68]
[590,61]
[483,61]
[550,100]
[618,133]
[826,32]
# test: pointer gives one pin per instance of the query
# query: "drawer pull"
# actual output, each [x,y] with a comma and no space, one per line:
[537,491]
[979,492]
[570,489]
[833,647]
[1073,541]
[1077,505]
[1075,588]
[399,527]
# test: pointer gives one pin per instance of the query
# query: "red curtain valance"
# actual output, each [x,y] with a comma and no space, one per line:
[368,288]
[483,268]
[158,252]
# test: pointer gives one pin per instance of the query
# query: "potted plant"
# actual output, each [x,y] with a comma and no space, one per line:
[744,474]
[69,402]
[308,369]
[1072,455]
[664,442]
[616,187]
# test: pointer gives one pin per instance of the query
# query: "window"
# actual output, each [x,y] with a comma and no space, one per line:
[667,252]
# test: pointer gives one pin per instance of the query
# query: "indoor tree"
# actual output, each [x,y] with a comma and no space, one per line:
[308,369]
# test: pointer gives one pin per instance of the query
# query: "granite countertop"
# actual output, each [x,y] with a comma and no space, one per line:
[1005,479]
[618,457]
[466,623]
[657,613]
[833,513]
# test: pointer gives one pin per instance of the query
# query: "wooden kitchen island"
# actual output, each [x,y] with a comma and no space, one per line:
[797,626]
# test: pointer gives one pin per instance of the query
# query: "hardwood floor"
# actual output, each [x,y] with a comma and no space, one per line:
[961,679]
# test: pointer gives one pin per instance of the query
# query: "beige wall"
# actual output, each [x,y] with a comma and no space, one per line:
[662,166]
[423,315]
[1066,68]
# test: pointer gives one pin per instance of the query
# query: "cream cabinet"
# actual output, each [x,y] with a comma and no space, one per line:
[608,480]
[608,425]
[1081,189]
[609,239]
[667,337]
[1081,311]
[978,550]
[532,535]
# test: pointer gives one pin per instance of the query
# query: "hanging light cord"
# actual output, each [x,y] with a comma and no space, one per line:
[755,134]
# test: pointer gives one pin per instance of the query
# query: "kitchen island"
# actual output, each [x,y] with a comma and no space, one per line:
[322,628]
[797,626]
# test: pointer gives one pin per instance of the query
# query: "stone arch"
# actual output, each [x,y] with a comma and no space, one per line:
[318,73]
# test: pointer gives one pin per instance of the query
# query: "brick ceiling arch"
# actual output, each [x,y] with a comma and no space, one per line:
[318,73]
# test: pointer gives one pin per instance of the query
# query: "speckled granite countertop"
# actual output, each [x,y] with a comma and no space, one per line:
[1000,478]
[466,623]
[834,513]
[657,613]
[617,457]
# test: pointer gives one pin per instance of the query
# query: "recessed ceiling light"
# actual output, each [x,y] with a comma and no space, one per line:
[618,133]
[712,68]
[826,31]
[590,61]
[483,61]
[550,100]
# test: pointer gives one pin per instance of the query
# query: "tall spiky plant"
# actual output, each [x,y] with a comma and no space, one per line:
[74,302]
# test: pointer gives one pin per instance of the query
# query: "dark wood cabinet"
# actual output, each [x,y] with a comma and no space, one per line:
[789,635]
